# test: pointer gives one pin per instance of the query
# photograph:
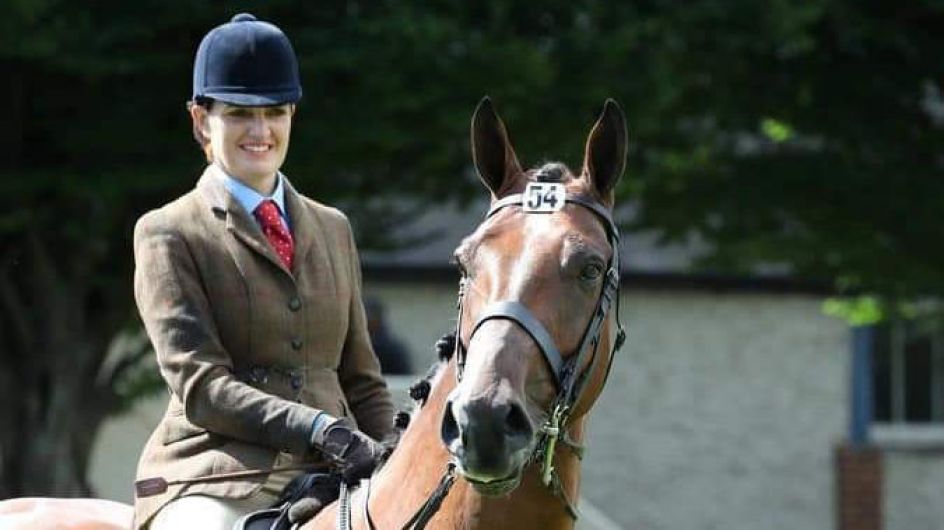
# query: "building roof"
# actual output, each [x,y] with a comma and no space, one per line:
[645,260]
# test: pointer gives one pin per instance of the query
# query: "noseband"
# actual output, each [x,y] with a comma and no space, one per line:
[570,382]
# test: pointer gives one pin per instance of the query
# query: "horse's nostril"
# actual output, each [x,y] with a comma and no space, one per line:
[517,422]
[450,428]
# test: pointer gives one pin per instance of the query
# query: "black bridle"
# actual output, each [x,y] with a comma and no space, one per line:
[570,381]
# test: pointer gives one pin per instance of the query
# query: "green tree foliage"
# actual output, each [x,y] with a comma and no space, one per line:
[797,133]
[809,136]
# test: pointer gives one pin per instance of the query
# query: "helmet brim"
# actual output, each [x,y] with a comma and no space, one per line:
[255,100]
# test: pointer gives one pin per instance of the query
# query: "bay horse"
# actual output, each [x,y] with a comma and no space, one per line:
[534,341]
[497,442]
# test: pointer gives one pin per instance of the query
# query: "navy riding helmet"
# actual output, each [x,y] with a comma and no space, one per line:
[246,62]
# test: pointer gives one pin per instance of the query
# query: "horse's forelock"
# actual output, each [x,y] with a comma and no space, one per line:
[553,171]
[550,172]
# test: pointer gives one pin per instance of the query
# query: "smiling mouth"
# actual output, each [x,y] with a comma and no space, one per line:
[255,148]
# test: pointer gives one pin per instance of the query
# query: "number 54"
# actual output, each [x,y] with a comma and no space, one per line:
[543,197]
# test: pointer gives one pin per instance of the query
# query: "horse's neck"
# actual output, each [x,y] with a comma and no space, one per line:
[419,463]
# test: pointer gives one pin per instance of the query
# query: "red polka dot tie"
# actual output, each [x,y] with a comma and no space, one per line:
[267,213]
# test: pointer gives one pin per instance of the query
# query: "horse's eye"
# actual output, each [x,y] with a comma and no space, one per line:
[591,272]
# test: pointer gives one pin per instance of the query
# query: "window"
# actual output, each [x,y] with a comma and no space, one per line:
[902,391]
[908,373]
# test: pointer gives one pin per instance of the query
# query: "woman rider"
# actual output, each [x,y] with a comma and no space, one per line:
[250,293]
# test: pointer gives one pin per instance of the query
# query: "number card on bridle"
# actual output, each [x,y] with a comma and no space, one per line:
[543,197]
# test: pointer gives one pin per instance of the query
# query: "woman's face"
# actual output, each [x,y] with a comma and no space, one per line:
[249,143]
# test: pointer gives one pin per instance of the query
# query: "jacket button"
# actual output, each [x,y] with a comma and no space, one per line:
[296,381]
[296,344]
[294,303]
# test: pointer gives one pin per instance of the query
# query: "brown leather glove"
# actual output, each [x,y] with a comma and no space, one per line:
[356,453]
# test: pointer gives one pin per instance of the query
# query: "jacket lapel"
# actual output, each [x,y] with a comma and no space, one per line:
[238,221]
[307,232]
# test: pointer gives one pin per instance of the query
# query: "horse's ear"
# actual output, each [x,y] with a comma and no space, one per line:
[605,155]
[492,152]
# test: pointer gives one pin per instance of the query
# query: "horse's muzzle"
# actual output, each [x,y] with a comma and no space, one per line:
[490,438]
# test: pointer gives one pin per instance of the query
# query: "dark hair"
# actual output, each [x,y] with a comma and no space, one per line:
[202,141]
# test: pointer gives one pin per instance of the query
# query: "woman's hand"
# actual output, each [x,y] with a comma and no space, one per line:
[356,453]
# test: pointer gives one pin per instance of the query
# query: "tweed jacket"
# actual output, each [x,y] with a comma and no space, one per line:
[250,351]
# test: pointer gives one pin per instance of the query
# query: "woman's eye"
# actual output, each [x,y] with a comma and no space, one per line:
[591,272]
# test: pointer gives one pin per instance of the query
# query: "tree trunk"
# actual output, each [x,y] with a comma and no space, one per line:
[54,395]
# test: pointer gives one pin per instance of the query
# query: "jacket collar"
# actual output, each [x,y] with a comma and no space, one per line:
[248,197]
[226,207]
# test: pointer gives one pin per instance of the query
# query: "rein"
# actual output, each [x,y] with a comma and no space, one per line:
[419,392]
[420,518]
[570,382]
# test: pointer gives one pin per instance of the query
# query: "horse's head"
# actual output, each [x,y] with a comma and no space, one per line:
[534,331]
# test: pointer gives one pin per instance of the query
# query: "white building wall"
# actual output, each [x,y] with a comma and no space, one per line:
[722,412]
[914,490]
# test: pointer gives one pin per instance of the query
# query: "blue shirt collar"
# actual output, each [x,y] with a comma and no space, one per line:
[250,198]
